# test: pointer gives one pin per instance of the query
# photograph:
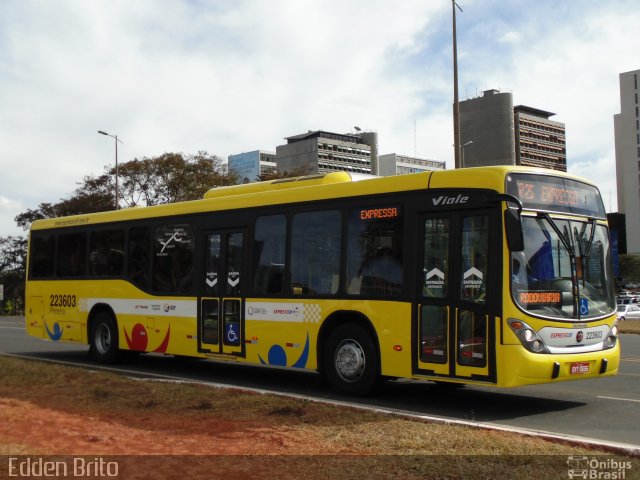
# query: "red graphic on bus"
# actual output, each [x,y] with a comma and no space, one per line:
[139,339]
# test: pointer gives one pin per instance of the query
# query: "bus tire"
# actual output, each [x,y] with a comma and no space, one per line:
[103,340]
[351,360]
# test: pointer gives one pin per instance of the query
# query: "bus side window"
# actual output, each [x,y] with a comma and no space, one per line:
[315,253]
[269,246]
[106,253]
[72,255]
[474,252]
[234,283]
[435,270]
[138,256]
[375,256]
[173,258]
[42,255]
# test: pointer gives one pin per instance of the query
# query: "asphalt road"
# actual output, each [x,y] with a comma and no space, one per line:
[606,410]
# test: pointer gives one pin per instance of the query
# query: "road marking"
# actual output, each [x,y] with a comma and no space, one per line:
[11,328]
[621,399]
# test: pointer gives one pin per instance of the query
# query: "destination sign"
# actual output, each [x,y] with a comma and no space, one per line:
[540,298]
[379,213]
[543,192]
[547,194]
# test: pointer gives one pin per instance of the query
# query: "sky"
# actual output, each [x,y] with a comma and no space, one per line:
[231,76]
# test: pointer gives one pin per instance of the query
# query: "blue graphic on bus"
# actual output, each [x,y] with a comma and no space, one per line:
[277,356]
[231,335]
[584,306]
[57,332]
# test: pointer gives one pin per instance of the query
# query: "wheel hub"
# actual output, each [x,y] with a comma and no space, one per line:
[350,360]
[103,338]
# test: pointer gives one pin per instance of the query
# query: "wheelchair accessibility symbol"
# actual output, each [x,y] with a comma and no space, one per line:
[584,306]
[231,335]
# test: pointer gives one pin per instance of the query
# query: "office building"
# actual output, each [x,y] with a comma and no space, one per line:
[540,142]
[396,164]
[322,152]
[486,130]
[627,140]
[494,132]
[250,166]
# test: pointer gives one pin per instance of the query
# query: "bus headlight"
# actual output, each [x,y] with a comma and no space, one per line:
[612,337]
[527,336]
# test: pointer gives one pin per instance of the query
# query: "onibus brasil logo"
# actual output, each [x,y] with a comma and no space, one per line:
[597,468]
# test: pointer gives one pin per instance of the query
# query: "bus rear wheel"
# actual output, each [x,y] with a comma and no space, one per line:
[103,338]
[351,360]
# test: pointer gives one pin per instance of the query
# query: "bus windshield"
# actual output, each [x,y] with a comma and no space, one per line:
[565,270]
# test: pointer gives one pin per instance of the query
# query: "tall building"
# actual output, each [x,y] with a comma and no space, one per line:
[321,152]
[627,137]
[494,132]
[540,142]
[249,166]
[395,164]
[486,130]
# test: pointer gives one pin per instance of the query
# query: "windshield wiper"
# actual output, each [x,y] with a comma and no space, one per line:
[593,234]
[564,238]
[585,250]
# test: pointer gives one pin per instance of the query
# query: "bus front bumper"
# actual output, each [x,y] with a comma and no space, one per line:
[521,367]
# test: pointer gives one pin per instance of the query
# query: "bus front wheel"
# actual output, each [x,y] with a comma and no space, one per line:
[351,360]
[103,339]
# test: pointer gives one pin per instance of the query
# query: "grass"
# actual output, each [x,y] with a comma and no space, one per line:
[629,326]
[383,445]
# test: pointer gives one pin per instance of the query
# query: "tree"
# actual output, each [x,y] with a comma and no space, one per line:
[92,195]
[12,272]
[171,177]
[168,178]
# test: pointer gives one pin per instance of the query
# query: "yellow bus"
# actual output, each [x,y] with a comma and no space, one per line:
[497,276]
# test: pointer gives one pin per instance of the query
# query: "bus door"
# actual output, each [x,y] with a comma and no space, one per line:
[221,312]
[457,299]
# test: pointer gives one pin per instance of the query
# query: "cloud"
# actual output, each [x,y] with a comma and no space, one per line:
[599,170]
[188,76]
[567,61]
[9,209]
[229,77]
[510,37]
[8,205]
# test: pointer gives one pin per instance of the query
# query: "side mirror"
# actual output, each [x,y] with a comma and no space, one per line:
[513,229]
[512,221]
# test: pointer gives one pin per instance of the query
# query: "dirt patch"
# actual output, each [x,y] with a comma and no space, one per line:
[46,431]
[135,446]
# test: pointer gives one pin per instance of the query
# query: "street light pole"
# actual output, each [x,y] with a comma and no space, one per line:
[456,104]
[115,137]
[466,144]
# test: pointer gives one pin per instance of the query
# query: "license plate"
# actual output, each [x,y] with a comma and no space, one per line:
[579,368]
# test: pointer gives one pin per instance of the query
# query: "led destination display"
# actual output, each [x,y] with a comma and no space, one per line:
[541,192]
